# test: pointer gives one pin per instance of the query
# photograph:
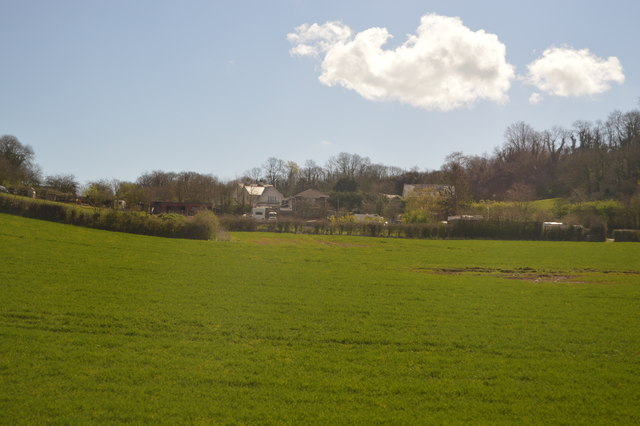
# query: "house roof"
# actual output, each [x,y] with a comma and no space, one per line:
[311,193]
[255,190]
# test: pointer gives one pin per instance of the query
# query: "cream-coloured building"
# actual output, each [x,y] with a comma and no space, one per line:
[257,195]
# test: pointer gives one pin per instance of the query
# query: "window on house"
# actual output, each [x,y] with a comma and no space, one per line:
[272,199]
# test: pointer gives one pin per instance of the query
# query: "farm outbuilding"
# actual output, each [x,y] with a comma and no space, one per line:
[309,203]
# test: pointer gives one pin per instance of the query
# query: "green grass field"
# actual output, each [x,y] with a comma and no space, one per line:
[101,327]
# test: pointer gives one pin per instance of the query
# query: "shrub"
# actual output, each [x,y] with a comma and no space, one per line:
[203,226]
[597,233]
[594,214]
[626,235]
[495,230]
[564,233]
[238,223]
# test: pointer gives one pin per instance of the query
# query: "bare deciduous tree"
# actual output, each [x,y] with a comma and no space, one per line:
[274,171]
[66,184]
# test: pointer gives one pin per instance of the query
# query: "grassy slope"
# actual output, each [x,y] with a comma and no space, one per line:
[106,327]
[545,205]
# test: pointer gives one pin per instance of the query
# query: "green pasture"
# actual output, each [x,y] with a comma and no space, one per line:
[103,327]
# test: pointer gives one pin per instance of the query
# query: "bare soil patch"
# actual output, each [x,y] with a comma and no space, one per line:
[524,274]
[337,244]
[281,241]
[273,242]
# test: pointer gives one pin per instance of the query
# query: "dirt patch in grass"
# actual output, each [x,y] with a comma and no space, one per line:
[524,274]
[281,241]
[604,271]
[272,242]
[337,244]
[551,278]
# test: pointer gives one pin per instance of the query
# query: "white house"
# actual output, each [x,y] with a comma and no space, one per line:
[257,195]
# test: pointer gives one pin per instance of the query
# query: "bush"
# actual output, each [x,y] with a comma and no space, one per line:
[495,230]
[594,214]
[238,223]
[597,233]
[564,233]
[626,235]
[203,226]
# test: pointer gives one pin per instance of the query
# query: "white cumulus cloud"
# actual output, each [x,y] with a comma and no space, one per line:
[562,71]
[445,65]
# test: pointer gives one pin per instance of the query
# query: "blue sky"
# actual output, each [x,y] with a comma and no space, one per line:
[113,89]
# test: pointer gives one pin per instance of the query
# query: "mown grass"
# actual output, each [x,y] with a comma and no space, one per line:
[102,327]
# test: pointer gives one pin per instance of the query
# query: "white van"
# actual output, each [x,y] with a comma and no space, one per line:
[259,213]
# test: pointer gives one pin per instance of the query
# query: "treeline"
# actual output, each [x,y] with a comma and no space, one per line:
[590,161]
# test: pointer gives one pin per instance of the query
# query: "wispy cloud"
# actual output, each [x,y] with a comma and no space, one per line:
[314,39]
[535,98]
[444,66]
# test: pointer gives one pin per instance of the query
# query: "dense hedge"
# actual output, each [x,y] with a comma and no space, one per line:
[564,233]
[626,235]
[495,230]
[238,223]
[490,230]
[203,226]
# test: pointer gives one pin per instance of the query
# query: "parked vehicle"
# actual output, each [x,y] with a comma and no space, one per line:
[264,214]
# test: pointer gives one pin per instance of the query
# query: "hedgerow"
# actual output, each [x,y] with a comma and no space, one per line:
[626,235]
[202,226]
[463,229]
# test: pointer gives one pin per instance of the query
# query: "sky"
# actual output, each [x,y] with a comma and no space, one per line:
[113,89]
